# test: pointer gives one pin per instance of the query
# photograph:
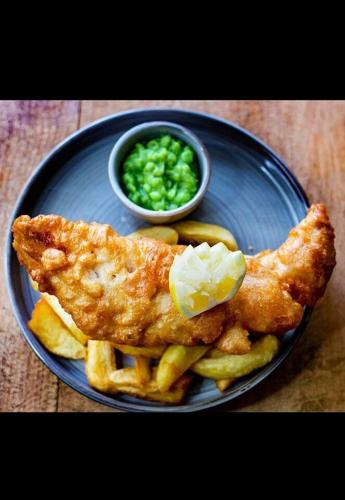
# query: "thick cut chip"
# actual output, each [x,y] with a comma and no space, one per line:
[191,231]
[238,365]
[126,381]
[162,233]
[175,361]
[52,332]
[99,364]
[63,315]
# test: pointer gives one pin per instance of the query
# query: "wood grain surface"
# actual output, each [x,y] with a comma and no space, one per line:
[308,135]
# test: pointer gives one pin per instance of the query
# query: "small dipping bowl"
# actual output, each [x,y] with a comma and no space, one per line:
[146,132]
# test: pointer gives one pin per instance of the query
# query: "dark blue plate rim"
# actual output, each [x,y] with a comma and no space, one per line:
[48,358]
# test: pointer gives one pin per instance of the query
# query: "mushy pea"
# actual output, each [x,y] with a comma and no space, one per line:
[161,174]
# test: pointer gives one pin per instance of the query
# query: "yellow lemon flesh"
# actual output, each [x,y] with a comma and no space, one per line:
[204,276]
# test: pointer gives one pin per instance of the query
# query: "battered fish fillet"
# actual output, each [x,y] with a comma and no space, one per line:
[116,288]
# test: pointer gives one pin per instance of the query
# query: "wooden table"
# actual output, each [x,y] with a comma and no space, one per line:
[308,135]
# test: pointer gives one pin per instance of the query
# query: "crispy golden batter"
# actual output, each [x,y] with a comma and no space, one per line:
[262,304]
[116,288]
[304,263]
[279,283]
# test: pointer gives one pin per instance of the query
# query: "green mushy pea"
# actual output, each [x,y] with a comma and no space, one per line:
[161,174]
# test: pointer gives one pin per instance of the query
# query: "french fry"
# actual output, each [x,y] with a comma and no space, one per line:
[63,315]
[175,361]
[223,383]
[100,363]
[126,381]
[143,370]
[234,340]
[216,353]
[191,231]
[53,334]
[237,365]
[162,233]
[146,352]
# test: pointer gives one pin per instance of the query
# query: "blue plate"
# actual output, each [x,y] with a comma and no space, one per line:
[251,192]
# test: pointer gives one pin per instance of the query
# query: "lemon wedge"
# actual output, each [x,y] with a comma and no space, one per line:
[203,276]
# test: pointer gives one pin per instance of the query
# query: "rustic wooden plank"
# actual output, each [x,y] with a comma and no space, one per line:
[28,130]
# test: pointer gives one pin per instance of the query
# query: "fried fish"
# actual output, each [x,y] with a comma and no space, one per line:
[116,288]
